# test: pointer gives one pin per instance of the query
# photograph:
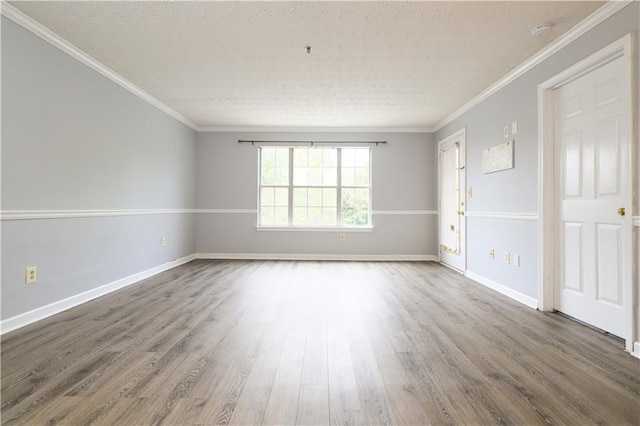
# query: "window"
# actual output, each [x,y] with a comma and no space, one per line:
[315,187]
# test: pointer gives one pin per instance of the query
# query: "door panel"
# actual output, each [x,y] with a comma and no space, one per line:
[573,168]
[573,256]
[608,158]
[609,243]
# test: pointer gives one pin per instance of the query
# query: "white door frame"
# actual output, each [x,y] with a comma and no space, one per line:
[622,48]
[462,136]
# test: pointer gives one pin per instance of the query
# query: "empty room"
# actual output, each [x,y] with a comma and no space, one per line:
[320,213]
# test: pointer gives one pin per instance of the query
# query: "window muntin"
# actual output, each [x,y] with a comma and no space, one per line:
[315,187]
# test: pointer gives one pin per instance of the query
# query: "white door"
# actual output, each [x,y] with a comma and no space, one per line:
[452,193]
[593,198]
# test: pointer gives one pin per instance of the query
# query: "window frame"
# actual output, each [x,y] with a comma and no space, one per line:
[338,226]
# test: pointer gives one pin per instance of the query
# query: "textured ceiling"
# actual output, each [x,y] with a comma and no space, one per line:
[373,64]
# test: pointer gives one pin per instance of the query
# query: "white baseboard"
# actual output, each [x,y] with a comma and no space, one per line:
[501,288]
[37,314]
[344,257]
[636,349]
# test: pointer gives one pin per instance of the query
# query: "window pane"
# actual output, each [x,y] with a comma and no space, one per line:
[299,215]
[267,197]
[300,176]
[348,176]
[329,176]
[314,216]
[281,197]
[299,197]
[362,176]
[362,157]
[329,197]
[314,176]
[315,197]
[281,216]
[348,157]
[315,157]
[300,157]
[362,207]
[355,206]
[329,216]
[274,168]
[282,158]
[329,158]
[266,215]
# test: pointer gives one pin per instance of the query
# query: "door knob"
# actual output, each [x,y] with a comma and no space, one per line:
[621,211]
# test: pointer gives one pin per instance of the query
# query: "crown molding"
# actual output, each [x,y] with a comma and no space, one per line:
[46,34]
[287,129]
[604,12]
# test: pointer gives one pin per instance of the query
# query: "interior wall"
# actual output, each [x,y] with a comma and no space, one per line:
[75,141]
[404,199]
[502,213]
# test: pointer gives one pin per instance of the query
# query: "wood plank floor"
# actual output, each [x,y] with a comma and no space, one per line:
[268,342]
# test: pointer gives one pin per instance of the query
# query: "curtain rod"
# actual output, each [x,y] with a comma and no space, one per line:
[312,143]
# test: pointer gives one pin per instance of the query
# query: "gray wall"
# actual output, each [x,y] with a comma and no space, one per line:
[74,140]
[516,190]
[404,174]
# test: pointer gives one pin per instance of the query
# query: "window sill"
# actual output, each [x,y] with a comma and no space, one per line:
[314,229]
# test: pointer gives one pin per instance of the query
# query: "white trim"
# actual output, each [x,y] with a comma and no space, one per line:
[636,349]
[37,314]
[226,211]
[293,228]
[46,34]
[621,48]
[503,215]
[603,13]
[215,129]
[503,289]
[404,212]
[69,214]
[636,221]
[333,257]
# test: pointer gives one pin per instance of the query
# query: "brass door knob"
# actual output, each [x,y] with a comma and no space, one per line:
[621,211]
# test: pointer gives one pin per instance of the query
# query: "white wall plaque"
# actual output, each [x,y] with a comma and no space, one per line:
[498,157]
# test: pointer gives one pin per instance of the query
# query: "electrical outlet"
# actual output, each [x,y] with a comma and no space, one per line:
[506,257]
[163,242]
[492,254]
[31,275]
[506,131]
[516,260]
[342,237]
